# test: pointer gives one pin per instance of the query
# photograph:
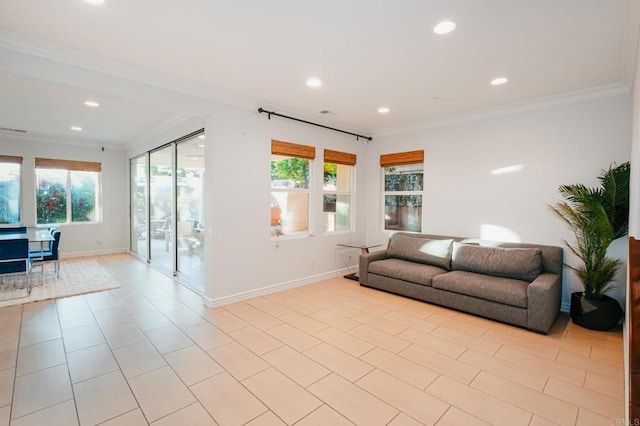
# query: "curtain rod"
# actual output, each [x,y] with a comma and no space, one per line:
[270,113]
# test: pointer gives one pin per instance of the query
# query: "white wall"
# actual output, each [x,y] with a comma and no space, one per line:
[557,145]
[82,239]
[241,255]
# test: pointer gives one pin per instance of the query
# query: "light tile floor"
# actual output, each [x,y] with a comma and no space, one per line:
[328,353]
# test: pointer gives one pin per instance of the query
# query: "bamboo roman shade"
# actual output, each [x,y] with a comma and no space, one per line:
[402,158]
[10,159]
[337,157]
[81,166]
[293,150]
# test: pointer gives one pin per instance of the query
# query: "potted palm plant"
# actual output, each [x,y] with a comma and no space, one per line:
[596,216]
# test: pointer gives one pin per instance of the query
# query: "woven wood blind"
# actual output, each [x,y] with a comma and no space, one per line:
[293,150]
[81,166]
[10,159]
[402,158]
[338,157]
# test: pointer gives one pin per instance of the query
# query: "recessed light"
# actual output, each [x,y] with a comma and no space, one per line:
[498,81]
[92,104]
[201,137]
[314,82]
[76,128]
[383,110]
[95,1]
[444,27]
[200,146]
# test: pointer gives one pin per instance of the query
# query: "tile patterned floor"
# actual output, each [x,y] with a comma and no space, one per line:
[329,353]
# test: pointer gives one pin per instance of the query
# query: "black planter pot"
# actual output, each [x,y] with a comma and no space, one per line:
[601,315]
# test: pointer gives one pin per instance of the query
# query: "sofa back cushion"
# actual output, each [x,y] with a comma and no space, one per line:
[517,263]
[421,250]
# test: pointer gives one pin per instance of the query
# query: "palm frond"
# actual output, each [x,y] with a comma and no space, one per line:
[596,216]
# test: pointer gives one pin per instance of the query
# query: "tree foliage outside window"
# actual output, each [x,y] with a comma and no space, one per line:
[83,196]
[290,172]
[9,193]
[403,197]
[51,196]
[289,195]
[64,196]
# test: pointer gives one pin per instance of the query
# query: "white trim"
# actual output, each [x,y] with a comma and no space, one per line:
[54,52]
[599,92]
[238,297]
[158,129]
[93,253]
[75,141]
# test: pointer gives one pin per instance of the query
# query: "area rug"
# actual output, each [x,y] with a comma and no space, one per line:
[77,276]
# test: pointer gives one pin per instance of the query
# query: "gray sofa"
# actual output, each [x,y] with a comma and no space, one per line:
[516,283]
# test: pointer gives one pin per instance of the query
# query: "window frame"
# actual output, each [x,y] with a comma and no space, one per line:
[13,159]
[70,166]
[394,160]
[341,159]
[281,150]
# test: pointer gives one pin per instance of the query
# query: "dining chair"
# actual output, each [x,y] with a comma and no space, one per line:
[50,254]
[14,259]
[13,230]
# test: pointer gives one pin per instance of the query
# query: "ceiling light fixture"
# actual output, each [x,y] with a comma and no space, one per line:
[76,128]
[444,27]
[314,82]
[383,110]
[498,81]
[92,104]
[95,1]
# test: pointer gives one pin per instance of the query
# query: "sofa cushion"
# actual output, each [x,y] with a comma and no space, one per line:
[502,290]
[417,273]
[422,250]
[517,263]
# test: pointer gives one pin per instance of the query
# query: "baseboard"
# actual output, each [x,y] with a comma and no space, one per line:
[238,297]
[65,255]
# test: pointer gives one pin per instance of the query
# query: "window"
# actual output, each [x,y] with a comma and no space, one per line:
[10,168]
[290,187]
[67,191]
[403,184]
[337,187]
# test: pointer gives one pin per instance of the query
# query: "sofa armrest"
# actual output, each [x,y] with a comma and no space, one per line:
[367,258]
[543,301]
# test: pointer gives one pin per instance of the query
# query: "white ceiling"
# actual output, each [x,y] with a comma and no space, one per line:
[152,62]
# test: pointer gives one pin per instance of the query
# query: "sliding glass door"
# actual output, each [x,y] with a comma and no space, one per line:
[190,225]
[139,197]
[167,216]
[161,207]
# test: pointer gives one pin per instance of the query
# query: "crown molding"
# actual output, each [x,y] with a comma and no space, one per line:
[605,91]
[80,142]
[101,65]
[165,125]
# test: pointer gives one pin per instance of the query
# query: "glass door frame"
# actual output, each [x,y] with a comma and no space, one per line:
[171,147]
[146,207]
[174,205]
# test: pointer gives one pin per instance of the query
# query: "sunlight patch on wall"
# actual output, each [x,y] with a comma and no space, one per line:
[499,233]
[507,169]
